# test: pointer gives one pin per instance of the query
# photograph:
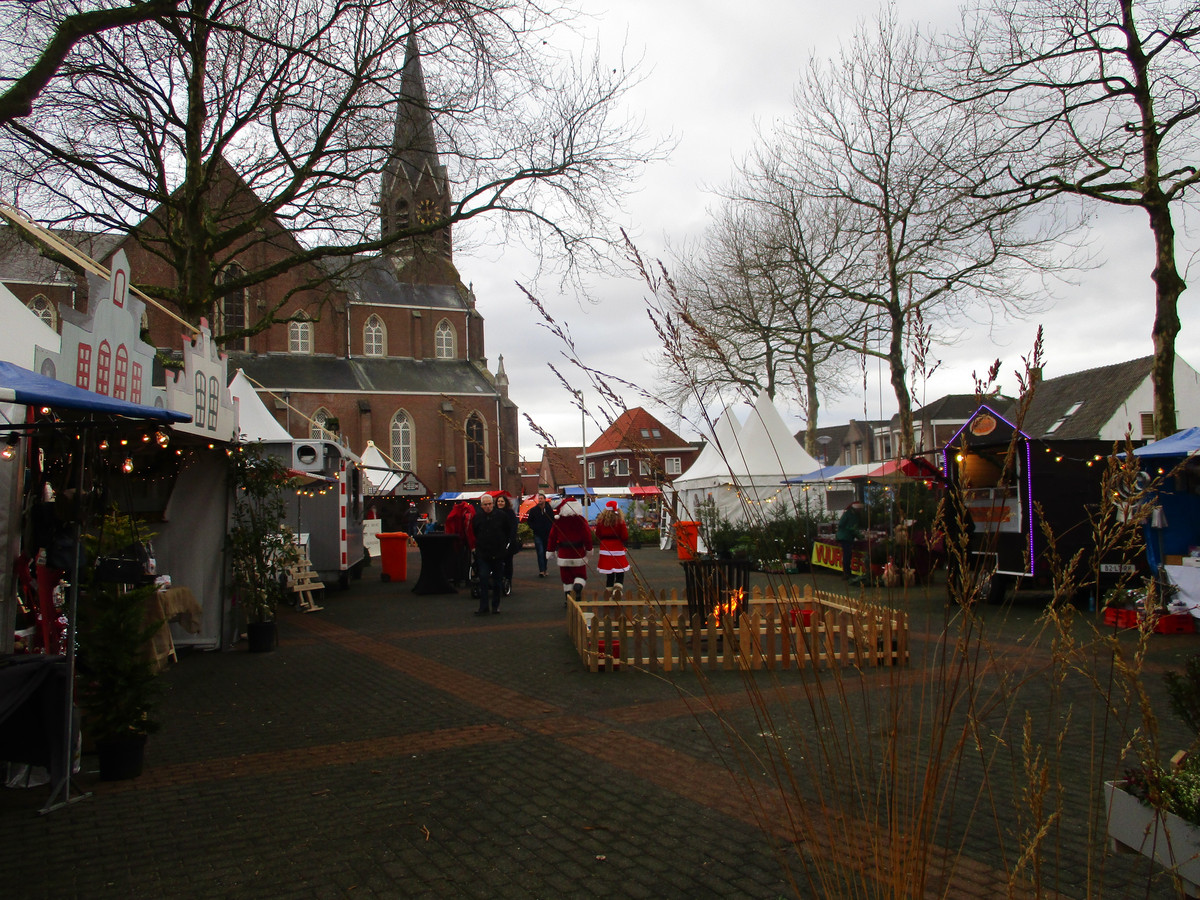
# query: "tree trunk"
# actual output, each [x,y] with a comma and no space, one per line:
[1167,288]
[900,387]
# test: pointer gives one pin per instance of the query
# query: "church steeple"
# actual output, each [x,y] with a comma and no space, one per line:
[414,188]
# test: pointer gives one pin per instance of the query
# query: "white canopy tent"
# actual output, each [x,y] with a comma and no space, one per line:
[379,473]
[255,422]
[743,468]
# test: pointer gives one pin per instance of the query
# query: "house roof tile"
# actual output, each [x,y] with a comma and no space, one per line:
[636,429]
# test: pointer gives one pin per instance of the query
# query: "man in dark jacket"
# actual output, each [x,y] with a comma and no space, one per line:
[540,520]
[848,528]
[492,533]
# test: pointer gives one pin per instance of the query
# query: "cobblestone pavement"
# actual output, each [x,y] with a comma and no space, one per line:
[398,746]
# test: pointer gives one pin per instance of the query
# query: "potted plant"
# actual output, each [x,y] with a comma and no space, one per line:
[118,683]
[118,686]
[261,546]
[1155,809]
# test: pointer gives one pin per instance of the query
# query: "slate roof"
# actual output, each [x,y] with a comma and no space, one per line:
[290,371]
[375,279]
[956,408]
[626,434]
[21,262]
[1100,391]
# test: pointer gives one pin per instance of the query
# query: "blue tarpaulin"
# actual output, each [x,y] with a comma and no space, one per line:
[597,506]
[1175,528]
[1182,443]
[18,385]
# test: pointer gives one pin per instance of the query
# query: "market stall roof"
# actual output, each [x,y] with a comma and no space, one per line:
[912,467]
[828,473]
[638,490]
[1182,443]
[460,495]
[255,422]
[575,490]
[19,385]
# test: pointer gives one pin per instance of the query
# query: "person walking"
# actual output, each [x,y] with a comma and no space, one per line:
[571,542]
[490,532]
[612,534]
[504,505]
[848,530]
[540,520]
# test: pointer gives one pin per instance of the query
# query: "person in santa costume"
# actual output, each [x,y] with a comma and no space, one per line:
[612,534]
[571,542]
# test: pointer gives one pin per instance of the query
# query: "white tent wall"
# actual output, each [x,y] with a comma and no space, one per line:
[190,543]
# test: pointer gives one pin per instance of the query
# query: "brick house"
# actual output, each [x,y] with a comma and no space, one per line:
[635,451]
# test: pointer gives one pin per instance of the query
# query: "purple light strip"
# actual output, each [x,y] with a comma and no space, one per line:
[1029,485]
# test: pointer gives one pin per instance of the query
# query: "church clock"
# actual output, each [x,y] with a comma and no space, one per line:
[428,212]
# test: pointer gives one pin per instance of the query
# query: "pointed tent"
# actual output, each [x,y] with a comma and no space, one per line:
[255,422]
[748,466]
[379,472]
[711,461]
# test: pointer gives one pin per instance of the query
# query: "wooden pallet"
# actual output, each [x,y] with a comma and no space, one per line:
[305,583]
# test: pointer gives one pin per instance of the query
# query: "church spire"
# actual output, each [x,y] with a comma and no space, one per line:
[414,188]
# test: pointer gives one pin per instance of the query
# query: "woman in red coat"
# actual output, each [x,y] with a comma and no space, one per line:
[612,534]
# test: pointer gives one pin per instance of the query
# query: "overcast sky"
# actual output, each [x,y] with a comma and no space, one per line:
[717,71]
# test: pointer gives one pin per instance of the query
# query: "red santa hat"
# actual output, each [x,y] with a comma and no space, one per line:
[612,504]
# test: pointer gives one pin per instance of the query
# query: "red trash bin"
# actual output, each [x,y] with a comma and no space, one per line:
[393,555]
[687,535]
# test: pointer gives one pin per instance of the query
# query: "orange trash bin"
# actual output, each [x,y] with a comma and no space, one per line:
[687,536]
[393,555]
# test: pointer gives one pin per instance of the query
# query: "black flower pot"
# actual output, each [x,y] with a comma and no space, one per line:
[261,636]
[121,758]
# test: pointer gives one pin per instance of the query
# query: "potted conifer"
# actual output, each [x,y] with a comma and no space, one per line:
[261,546]
[118,684]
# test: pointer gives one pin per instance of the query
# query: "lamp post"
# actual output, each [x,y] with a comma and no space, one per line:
[583,438]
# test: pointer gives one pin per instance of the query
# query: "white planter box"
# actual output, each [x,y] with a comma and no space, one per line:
[1163,837]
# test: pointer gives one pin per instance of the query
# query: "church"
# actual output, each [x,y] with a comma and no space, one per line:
[385,348]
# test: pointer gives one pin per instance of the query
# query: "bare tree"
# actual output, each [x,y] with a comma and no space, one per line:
[1102,99]
[749,307]
[908,173]
[37,38]
[249,122]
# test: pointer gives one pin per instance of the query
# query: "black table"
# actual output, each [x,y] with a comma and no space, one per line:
[33,698]
[438,553]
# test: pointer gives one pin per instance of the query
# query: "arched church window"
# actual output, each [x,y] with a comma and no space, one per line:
[300,337]
[317,430]
[374,337]
[402,440]
[41,307]
[444,340]
[476,449]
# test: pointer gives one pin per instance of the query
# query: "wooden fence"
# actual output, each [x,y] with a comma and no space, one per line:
[790,630]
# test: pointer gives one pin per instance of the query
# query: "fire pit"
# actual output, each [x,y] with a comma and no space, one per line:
[713,582]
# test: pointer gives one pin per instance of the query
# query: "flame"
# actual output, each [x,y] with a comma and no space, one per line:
[736,598]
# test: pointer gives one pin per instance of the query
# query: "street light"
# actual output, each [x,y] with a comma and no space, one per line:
[583,437]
